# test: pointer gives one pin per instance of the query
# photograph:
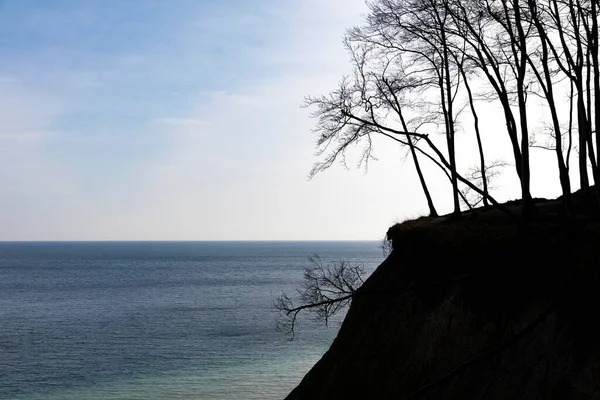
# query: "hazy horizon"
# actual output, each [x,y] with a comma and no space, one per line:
[192,241]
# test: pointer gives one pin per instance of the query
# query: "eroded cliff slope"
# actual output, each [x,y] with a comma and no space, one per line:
[474,308]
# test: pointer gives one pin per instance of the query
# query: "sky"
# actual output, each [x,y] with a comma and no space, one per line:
[182,120]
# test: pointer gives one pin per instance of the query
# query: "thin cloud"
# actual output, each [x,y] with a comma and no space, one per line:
[183,122]
[244,177]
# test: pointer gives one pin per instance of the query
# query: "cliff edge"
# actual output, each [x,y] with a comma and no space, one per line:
[472,308]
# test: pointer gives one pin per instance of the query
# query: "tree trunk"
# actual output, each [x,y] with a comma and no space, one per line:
[432,210]
[477,135]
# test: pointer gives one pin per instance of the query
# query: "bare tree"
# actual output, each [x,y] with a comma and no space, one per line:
[471,100]
[478,31]
[569,24]
[415,61]
[360,107]
[405,81]
[539,17]
[325,291]
[417,31]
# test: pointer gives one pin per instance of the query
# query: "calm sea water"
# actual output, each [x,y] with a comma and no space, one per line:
[157,320]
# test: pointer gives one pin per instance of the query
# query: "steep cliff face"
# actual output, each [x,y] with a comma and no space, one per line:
[472,309]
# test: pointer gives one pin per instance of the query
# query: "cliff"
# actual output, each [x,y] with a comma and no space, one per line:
[473,308]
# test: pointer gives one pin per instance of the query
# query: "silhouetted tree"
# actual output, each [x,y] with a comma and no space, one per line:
[482,169]
[325,291]
[476,30]
[356,110]
[415,61]
[568,24]
[391,78]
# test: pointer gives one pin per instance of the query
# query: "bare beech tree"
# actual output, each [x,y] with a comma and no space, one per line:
[325,291]
[358,110]
[417,32]
[482,168]
[353,112]
[432,52]
[569,24]
[478,31]
[539,16]
[391,79]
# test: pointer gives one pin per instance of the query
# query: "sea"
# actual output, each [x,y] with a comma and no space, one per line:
[158,320]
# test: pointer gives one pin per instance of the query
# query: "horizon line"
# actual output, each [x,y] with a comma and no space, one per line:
[186,240]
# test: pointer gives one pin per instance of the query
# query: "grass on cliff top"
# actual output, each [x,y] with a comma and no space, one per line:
[548,212]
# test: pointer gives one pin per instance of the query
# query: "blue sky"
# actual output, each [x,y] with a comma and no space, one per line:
[180,120]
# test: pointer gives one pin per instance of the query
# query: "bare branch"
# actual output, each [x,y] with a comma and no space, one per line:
[325,291]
